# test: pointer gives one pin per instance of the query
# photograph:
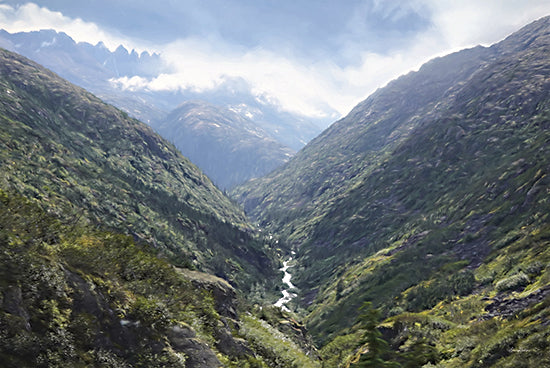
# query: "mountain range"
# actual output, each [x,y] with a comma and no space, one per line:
[415,229]
[116,250]
[432,193]
[100,71]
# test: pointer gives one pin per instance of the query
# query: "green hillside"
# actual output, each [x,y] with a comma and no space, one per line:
[293,197]
[419,224]
[81,158]
[104,231]
[75,296]
[430,200]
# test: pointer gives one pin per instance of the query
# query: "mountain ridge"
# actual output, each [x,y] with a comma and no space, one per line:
[229,148]
[65,126]
[106,232]
[110,75]
[426,197]
[336,164]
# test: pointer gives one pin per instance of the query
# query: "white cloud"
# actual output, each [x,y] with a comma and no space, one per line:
[317,88]
[471,22]
[198,66]
[31,17]
[455,26]
[310,87]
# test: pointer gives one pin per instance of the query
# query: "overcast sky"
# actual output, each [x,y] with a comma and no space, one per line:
[314,57]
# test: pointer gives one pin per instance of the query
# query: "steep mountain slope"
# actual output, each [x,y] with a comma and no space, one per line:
[97,217]
[431,193]
[230,149]
[73,296]
[66,148]
[351,147]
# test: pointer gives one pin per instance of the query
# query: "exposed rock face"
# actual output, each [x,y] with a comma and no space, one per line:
[226,304]
[128,333]
[509,307]
[223,293]
[12,303]
[198,354]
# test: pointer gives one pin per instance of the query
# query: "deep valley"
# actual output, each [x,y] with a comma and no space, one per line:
[413,232]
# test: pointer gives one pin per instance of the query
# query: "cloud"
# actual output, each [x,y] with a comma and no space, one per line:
[31,17]
[198,66]
[471,22]
[380,41]
[318,88]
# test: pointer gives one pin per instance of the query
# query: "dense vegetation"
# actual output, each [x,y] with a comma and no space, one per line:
[420,223]
[429,200]
[73,296]
[104,229]
[82,158]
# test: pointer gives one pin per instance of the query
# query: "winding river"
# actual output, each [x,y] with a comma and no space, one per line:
[287,295]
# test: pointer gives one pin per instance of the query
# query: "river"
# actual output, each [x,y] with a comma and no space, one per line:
[287,295]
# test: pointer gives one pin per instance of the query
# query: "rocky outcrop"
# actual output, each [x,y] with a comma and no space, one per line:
[226,304]
[223,293]
[507,308]
[198,354]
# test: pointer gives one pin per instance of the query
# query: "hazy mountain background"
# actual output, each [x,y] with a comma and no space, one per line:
[313,59]
[96,69]
[229,148]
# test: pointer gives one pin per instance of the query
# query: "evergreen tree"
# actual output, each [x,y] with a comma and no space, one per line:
[376,348]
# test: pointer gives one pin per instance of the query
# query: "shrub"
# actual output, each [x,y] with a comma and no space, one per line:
[534,268]
[428,294]
[513,282]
